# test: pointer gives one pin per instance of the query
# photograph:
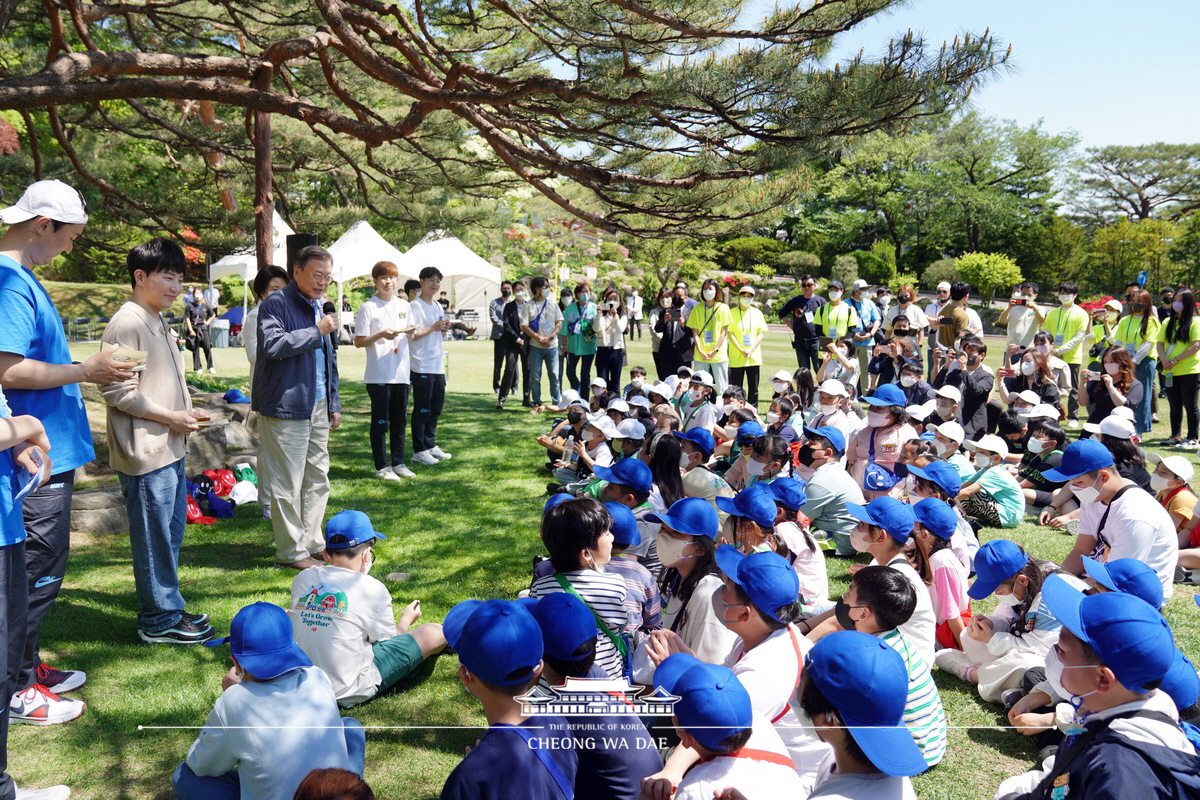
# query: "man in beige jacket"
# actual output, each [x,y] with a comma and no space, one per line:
[149,417]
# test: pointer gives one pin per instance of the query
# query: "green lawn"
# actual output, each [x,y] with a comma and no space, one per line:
[471,531]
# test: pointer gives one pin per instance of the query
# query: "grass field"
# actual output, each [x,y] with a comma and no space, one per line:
[467,528]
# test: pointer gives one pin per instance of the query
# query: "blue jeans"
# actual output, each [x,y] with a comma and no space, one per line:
[537,357]
[157,506]
[1142,415]
[190,786]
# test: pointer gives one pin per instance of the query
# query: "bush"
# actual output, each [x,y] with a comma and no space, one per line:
[944,269]
[873,269]
[745,253]
[903,279]
[231,288]
[845,269]
[797,263]
[987,272]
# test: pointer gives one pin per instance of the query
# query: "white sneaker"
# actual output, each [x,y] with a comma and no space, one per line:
[387,474]
[49,793]
[439,453]
[212,370]
[37,705]
[425,458]
[266,512]
[403,471]
[951,660]
[1073,424]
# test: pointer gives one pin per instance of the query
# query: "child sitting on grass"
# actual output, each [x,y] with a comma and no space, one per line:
[642,601]
[941,570]
[795,541]
[343,618]
[629,482]
[992,497]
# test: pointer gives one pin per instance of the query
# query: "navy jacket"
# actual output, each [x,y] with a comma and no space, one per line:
[285,374]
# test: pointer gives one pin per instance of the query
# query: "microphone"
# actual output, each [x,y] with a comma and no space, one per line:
[328,308]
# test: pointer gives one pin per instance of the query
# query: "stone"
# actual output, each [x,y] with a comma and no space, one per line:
[238,437]
[100,520]
[206,449]
[95,499]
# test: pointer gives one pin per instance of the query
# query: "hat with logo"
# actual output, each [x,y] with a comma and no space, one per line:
[829,434]
[630,472]
[754,502]
[1128,634]
[349,528]
[566,624]
[995,562]
[894,517]
[499,641]
[624,526]
[866,681]
[1080,458]
[693,516]
[51,199]
[699,437]
[768,579]
[1126,575]
[713,705]
[261,639]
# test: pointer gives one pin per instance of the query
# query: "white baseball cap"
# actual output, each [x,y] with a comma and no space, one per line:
[783,375]
[948,392]
[244,492]
[747,290]
[943,286]
[630,429]
[1045,410]
[1119,427]
[639,400]
[1179,465]
[617,404]
[51,199]
[603,384]
[661,389]
[989,442]
[569,396]
[701,377]
[858,284]
[953,431]
[604,423]
[672,382]
[833,387]
[1029,396]
[1125,412]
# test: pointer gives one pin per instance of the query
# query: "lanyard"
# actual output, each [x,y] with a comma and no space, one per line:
[704,327]
[556,772]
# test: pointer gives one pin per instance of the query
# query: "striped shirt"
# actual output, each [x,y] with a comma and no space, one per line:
[923,714]
[604,592]
[642,602]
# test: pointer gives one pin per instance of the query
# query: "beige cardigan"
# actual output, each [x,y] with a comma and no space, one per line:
[137,446]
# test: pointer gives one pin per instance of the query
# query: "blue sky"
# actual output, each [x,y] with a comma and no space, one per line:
[1113,72]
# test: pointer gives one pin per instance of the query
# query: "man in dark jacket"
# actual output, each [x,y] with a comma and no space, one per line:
[512,339]
[798,314]
[295,389]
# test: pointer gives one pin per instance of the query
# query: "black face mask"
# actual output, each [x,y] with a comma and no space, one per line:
[897,332]
[677,302]
[905,299]
[842,612]
[573,417]
[505,292]
[1136,308]
[807,456]
[972,360]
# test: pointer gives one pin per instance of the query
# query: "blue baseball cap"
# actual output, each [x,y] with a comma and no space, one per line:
[261,639]
[499,641]
[1080,458]
[754,502]
[937,516]
[995,562]
[1127,575]
[1181,683]
[566,623]
[555,499]
[788,492]
[866,681]
[887,395]
[749,430]
[694,516]
[830,434]
[1128,634]
[624,525]
[699,437]
[630,472]
[768,579]
[713,705]
[236,396]
[894,517]
[938,472]
[349,528]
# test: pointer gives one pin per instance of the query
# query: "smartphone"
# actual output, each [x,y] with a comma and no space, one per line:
[1018,301]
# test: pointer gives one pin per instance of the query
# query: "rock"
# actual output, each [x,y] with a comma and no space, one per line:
[237,459]
[206,449]
[238,437]
[238,412]
[100,520]
[95,499]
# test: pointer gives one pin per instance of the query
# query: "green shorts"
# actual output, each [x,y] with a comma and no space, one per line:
[395,658]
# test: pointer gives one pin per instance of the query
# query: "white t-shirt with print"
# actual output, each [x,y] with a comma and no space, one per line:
[387,359]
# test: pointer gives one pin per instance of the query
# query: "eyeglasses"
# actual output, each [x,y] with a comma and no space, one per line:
[808,285]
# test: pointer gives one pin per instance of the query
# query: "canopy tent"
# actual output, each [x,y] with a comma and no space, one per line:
[357,251]
[243,262]
[468,279]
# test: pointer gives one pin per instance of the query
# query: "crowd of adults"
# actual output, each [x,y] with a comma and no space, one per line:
[687,536]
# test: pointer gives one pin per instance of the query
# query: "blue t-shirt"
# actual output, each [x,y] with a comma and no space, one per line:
[503,767]
[12,522]
[319,393]
[32,329]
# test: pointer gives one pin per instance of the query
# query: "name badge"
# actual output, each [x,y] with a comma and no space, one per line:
[834,333]
[745,340]
[708,337]
[1058,340]
[1131,349]
[808,317]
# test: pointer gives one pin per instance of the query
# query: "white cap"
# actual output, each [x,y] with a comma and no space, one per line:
[922,411]
[747,290]
[1179,465]
[1124,412]
[944,285]
[702,377]
[604,423]
[858,284]
[617,404]
[244,492]
[954,432]
[1113,305]
[1119,427]
[51,199]
[630,429]
[989,442]
[662,389]
[782,375]
[833,387]
[1045,410]
[639,400]
[672,381]
[1029,396]
[603,384]
[569,396]
[948,392]
[576,402]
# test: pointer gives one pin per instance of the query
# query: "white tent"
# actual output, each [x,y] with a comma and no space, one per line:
[357,251]
[469,280]
[243,261]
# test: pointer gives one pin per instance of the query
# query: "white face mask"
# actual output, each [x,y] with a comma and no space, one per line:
[878,419]
[586,436]
[670,550]
[696,395]
[755,468]
[908,381]
[945,409]
[685,459]
[772,418]
[597,391]
[942,448]
[1054,674]
[709,294]
[835,295]
[1087,494]
[1024,412]
[1028,367]
[982,461]
[828,408]
[637,382]
[1158,483]
[1035,445]
[731,431]
[744,301]
[1065,298]
[780,386]
[728,408]
[520,296]
[858,540]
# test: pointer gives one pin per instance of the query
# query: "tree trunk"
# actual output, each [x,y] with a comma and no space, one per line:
[264,198]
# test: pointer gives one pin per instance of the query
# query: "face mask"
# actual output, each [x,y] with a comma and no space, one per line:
[901,332]
[1136,308]
[520,296]
[665,302]
[1054,674]
[685,459]
[755,468]
[670,550]
[744,302]
[904,299]
[878,419]
[944,410]
[885,301]
[677,302]
[637,382]
[827,408]
[972,361]
[573,417]
[982,461]
[841,351]
[730,431]
[1065,298]
[505,292]
[780,386]
[772,418]
[1158,483]
[907,381]
[728,408]
[709,294]
[1177,307]
[1008,599]
[597,391]
[835,295]
[1024,412]
[942,448]
[585,437]
[858,540]
[1087,494]
[842,612]
[583,297]
[1043,348]
[1112,368]
[1036,446]
[696,395]
[1028,367]
[807,456]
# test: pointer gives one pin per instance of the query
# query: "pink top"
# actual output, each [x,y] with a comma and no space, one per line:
[888,444]
[949,589]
